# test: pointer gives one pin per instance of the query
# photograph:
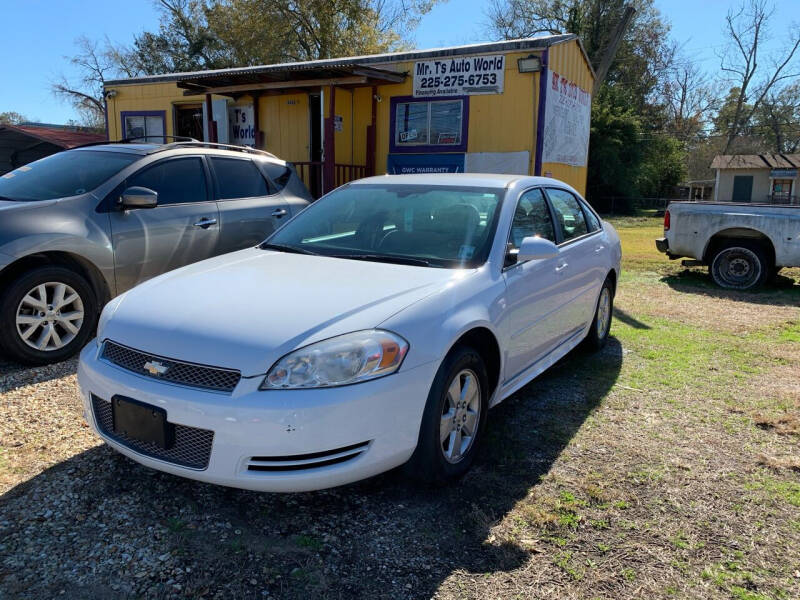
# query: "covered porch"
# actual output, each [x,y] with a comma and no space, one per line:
[341,100]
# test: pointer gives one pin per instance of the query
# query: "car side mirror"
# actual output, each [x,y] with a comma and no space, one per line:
[536,248]
[138,197]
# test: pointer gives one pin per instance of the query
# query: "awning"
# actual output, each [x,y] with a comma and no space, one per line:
[286,77]
[21,144]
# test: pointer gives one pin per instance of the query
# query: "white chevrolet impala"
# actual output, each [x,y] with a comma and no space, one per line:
[375,329]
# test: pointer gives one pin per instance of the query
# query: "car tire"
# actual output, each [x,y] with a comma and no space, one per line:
[739,265]
[38,330]
[438,458]
[603,313]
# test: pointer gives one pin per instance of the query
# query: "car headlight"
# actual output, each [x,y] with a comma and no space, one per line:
[342,360]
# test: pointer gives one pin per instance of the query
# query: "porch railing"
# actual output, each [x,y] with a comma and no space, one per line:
[310,173]
[782,199]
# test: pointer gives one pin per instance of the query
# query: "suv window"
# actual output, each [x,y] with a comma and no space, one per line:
[532,217]
[177,181]
[64,174]
[279,174]
[238,178]
[569,215]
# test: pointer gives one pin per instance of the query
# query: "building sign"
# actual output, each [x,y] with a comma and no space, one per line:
[567,117]
[409,164]
[242,125]
[783,173]
[460,76]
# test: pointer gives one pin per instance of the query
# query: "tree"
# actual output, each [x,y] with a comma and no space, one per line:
[212,34]
[747,27]
[688,100]
[86,92]
[11,118]
[778,119]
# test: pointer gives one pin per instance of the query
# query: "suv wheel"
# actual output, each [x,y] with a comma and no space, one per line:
[739,265]
[46,315]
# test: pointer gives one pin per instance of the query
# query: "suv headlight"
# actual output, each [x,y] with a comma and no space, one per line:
[342,360]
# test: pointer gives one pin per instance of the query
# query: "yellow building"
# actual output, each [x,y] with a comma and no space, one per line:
[519,106]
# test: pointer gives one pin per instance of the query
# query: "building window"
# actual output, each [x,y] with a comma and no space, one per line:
[147,126]
[429,125]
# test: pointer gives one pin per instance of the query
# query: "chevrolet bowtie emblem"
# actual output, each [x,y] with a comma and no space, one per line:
[155,368]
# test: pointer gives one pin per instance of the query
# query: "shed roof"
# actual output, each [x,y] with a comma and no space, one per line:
[756,161]
[318,68]
[21,144]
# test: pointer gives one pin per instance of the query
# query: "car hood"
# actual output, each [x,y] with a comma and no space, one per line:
[247,309]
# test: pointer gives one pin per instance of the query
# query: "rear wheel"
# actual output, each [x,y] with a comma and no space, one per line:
[46,315]
[739,265]
[454,421]
[601,324]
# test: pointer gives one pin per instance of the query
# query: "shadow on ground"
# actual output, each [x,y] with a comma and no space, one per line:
[781,290]
[14,375]
[101,526]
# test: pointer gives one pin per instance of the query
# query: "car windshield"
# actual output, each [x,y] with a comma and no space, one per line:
[63,174]
[439,226]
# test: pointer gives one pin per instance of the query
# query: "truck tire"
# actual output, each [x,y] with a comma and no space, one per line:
[739,265]
[46,315]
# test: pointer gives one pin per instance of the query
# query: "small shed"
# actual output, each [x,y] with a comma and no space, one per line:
[21,144]
[763,178]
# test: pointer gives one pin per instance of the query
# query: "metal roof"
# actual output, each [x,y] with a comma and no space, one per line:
[338,66]
[756,161]
[21,144]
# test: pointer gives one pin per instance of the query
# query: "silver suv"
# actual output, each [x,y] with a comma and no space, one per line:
[80,227]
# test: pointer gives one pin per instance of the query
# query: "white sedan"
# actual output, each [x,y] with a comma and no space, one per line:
[375,329]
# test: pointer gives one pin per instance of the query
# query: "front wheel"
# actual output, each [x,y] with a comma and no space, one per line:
[454,420]
[46,315]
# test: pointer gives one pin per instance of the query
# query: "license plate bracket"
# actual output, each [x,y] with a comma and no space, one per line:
[143,422]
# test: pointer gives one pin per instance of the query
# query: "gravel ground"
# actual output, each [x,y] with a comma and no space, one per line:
[659,468]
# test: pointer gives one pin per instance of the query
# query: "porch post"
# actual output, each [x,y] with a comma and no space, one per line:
[212,124]
[259,137]
[329,148]
[372,134]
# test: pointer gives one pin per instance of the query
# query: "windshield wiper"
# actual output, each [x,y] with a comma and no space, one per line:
[398,260]
[285,248]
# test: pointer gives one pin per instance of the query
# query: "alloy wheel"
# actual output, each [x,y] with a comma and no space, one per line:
[49,316]
[460,416]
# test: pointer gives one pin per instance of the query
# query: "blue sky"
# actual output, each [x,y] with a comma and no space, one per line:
[34,49]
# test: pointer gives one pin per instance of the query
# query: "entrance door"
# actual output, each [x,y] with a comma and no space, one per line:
[315,144]
[189,121]
[183,228]
[742,188]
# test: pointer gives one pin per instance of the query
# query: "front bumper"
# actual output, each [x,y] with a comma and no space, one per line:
[662,244]
[301,439]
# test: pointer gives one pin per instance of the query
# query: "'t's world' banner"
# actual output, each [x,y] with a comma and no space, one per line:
[567,118]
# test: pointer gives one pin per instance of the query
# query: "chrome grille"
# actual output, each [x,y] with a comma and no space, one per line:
[192,447]
[181,373]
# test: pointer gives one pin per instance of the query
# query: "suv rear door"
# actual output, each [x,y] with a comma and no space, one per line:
[182,229]
[250,205]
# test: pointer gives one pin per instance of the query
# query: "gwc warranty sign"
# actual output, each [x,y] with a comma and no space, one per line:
[462,76]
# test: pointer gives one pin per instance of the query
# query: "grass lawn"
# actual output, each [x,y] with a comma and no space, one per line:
[665,466]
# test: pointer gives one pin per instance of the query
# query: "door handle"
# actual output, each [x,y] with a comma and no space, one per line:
[599,248]
[279,212]
[561,267]
[205,223]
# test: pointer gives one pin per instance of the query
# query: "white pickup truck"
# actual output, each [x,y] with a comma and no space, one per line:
[742,244]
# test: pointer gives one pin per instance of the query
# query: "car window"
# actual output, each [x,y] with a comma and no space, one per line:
[569,216]
[532,217]
[592,221]
[177,181]
[238,178]
[64,174]
[446,226]
[279,174]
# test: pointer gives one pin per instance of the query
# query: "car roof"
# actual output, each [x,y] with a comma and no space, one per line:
[485,180]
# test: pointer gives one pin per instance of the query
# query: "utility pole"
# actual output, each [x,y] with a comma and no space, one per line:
[613,45]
